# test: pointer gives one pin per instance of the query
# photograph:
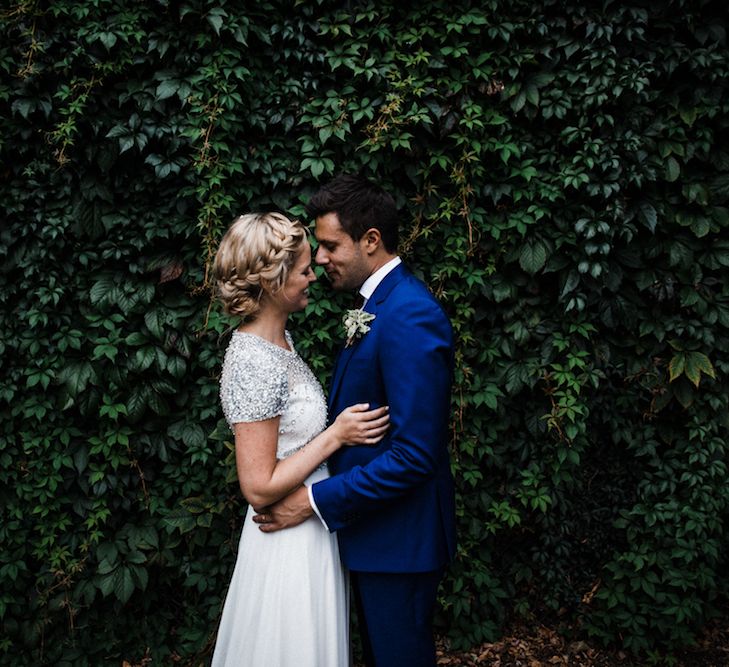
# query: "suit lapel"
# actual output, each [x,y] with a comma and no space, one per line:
[380,294]
[342,361]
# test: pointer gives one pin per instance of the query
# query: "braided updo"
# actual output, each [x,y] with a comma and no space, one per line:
[254,257]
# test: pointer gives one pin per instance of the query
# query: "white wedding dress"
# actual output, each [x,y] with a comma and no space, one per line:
[287,604]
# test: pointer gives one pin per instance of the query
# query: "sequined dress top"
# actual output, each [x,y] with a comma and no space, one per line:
[261,380]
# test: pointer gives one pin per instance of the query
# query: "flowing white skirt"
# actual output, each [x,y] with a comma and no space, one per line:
[287,604]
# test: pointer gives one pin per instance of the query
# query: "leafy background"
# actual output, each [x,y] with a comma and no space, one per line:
[563,175]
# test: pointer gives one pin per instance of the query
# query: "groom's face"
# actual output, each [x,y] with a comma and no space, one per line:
[341,256]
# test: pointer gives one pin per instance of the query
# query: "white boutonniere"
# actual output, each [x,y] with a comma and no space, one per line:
[356,324]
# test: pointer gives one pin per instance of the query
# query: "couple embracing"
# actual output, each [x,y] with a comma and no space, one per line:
[368,498]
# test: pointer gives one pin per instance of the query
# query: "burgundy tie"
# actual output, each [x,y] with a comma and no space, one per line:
[359,301]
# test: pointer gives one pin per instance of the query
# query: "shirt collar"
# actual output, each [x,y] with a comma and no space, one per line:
[370,285]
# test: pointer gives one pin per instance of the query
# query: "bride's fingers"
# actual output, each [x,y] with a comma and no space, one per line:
[379,425]
[376,432]
[375,422]
[373,428]
[375,413]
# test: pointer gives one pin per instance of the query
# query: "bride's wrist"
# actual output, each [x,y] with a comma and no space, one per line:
[336,439]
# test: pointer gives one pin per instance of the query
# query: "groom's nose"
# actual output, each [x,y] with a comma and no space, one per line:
[321,256]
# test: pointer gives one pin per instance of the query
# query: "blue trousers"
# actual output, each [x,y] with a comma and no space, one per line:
[395,616]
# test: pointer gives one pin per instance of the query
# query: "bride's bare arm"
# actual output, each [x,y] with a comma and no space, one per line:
[263,479]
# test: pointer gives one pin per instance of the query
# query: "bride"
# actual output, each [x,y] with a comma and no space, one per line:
[287,604]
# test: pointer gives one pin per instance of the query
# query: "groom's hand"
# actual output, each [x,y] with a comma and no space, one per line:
[286,513]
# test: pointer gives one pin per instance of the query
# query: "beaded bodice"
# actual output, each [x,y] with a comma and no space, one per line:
[261,380]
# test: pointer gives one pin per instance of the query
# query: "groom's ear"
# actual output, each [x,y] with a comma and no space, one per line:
[371,240]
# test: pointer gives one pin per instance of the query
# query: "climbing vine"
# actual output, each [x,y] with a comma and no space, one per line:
[562,175]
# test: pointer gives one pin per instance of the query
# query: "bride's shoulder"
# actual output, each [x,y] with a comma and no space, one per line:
[250,351]
[253,381]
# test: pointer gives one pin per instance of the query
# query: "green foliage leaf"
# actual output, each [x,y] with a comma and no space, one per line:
[167,89]
[77,376]
[696,364]
[155,320]
[673,170]
[649,216]
[533,256]
[181,519]
[692,365]
[677,366]
[104,291]
[123,584]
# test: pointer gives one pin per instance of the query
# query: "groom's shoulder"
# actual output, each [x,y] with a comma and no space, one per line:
[412,286]
[413,293]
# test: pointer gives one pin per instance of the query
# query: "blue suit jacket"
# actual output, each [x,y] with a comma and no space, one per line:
[392,505]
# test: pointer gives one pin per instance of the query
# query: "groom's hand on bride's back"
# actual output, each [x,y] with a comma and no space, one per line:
[286,513]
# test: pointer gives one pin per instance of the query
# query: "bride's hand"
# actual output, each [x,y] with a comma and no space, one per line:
[357,425]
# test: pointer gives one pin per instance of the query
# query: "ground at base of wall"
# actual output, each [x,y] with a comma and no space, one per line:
[538,646]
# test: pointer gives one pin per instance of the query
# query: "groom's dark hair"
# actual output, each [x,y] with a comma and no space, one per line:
[360,205]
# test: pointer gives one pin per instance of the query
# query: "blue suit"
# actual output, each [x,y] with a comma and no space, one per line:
[392,505]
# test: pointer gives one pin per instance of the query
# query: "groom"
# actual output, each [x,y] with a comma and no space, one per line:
[392,505]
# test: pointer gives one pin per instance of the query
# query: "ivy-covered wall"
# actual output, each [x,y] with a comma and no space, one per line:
[563,174]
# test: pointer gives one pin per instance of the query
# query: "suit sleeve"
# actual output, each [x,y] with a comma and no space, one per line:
[415,353]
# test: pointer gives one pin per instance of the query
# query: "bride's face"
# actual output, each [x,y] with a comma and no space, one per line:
[295,292]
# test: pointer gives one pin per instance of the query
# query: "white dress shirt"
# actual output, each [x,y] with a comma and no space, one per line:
[370,285]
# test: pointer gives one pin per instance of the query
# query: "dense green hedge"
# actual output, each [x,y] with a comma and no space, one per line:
[563,174]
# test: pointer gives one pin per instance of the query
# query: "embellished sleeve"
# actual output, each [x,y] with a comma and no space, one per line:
[252,387]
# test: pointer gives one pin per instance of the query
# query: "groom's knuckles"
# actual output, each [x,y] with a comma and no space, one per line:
[269,527]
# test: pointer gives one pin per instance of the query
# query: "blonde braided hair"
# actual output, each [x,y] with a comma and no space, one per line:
[254,257]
